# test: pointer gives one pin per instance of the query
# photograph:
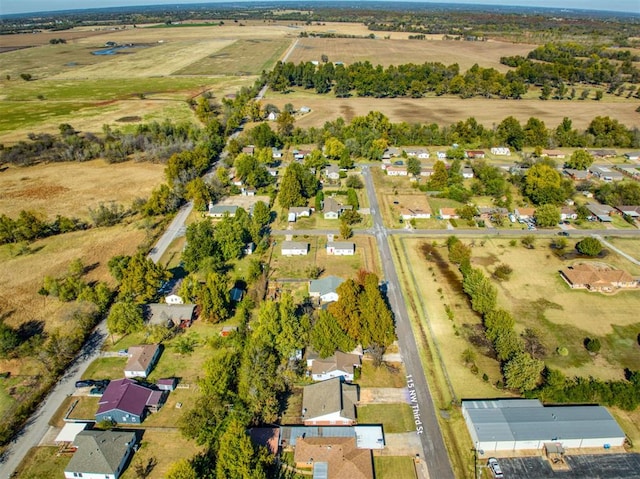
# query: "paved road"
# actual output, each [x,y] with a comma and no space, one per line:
[467,232]
[176,229]
[434,451]
[38,424]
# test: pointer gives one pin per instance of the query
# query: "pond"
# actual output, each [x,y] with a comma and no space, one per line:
[111,50]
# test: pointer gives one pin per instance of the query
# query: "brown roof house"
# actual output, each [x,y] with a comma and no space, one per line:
[330,402]
[337,365]
[334,458]
[141,360]
[597,278]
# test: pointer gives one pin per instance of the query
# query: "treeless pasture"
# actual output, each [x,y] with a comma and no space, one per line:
[399,51]
[70,189]
[445,111]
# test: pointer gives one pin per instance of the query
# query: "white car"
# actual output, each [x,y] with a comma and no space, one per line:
[495,468]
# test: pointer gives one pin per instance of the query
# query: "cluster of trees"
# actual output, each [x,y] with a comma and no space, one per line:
[556,63]
[297,186]
[30,226]
[360,316]
[543,184]
[408,80]
[521,370]
[618,193]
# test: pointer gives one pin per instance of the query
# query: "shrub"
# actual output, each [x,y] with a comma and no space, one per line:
[592,345]
[503,272]
[589,246]
[562,351]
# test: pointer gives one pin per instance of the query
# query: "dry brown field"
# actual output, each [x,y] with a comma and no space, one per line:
[398,51]
[445,111]
[70,189]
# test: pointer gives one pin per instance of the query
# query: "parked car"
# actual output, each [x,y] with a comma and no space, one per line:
[563,233]
[493,464]
[85,383]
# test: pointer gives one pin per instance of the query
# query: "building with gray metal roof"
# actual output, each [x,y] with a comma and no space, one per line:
[516,424]
[100,453]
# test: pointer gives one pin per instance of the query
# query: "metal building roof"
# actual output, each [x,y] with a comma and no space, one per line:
[529,420]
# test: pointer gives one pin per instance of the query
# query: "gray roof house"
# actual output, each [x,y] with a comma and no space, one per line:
[337,365]
[341,248]
[219,211]
[601,212]
[102,454]
[169,314]
[294,248]
[517,424]
[332,172]
[127,402]
[325,289]
[330,402]
[332,209]
[141,360]
[605,173]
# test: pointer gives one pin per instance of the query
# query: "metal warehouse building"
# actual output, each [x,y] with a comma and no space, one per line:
[516,424]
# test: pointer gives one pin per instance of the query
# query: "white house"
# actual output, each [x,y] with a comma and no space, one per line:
[332,209]
[329,403]
[500,151]
[519,424]
[568,213]
[419,153]
[294,248]
[441,155]
[467,172]
[341,248]
[332,172]
[173,297]
[273,116]
[393,170]
[100,454]
[141,360]
[632,155]
[299,212]
[325,289]
[338,365]
[276,153]
[414,214]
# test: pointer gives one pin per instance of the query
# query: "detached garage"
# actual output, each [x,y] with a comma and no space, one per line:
[517,424]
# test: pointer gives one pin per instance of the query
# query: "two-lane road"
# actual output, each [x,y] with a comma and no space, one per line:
[424,412]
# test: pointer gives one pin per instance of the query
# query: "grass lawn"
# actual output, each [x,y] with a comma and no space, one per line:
[85,408]
[106,368]
[394,467]
[393,417]
[169,414]
[291,414]
[388,375]
[42,463]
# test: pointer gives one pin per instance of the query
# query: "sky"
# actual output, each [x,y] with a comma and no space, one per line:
[25,6]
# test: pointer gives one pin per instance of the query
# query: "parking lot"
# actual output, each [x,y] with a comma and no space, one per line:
[606,466]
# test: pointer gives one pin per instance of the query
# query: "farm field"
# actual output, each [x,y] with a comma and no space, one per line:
[448,110]
[70,189]
[398,51]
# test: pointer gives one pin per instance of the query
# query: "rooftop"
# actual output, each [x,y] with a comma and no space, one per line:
[328,397]
[100,452]
[325,285]
[140,357]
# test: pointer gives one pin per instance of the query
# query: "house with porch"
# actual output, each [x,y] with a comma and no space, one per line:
[141,360]
[100,454]
[126,401]
[337,365]
[328,403]
[294,248]
[341,248]
[324,289]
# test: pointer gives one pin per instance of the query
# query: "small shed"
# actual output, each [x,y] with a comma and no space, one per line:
[168,384]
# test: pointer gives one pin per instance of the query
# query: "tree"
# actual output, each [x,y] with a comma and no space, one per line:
[589,246]
[439,179]
[543,184]
[592,345]
[345,230]
[142,279]
[236,457]
[285,122]
[201,244]
[528,241]
[334,148]
[355,182]
[535,133]
[327,336]
[522,372]
[510,133]
[580,160]
[507,344]
[9,340]
[125,317]
[214,298]
[181,469]
[298,184]
[376,317]
[547,216]
[414,166]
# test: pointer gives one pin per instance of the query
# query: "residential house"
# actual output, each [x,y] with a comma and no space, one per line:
[367,436]
[272,116]
[341,248]
[333,458]
[426,171]
[332,209]
[276,153]
[324,289]
[220,211]
[600,212]
[170,315]
[605,173]
[248,191]
[174,297]
[577,175]
[294,248]
[525,213]
[419,153]
[337,365]
[474,154]
[299,212]
[249,248]
[249,150]
[330,402]
[602,153]
[393,170]
[100,454]
[304,109]
[391,152]
[273,172]
[448,214]
[632,171]
[228,330]
[557,154]
[486,212]
[300,154]
[125,401]
[632,211]
[500,151]
[632,155]
[596,278]
[568,213]
[467,172]
[332,172]
[441,155]
[142,358]
[414,214]
[236,294]
[291,218]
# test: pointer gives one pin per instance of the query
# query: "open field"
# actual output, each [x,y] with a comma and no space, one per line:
[388,375]
[393,417]
[445,111]
[70,189]
[397,51]
[43,463]
[394,467]
[243,57]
